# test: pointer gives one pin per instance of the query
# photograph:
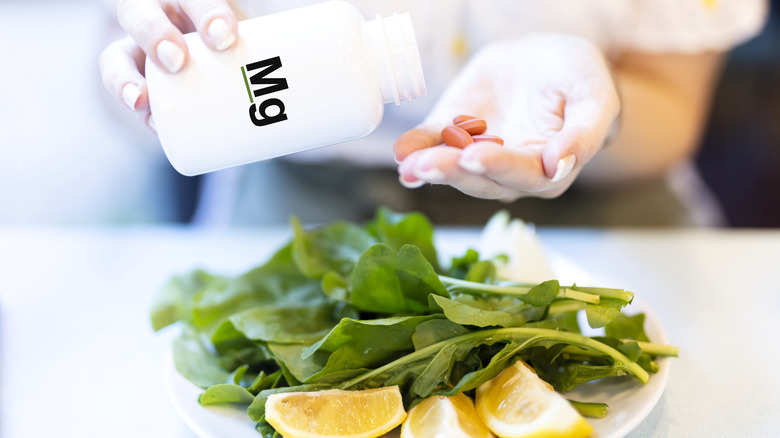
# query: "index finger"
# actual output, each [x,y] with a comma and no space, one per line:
[146,23]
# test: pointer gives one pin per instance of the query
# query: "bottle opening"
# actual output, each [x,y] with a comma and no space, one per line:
[394,46]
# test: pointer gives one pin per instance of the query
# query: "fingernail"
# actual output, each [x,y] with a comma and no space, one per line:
[130,94]
[221,34]
[471,164]
[433,174]
[170,55]
[565,165]
[410,184]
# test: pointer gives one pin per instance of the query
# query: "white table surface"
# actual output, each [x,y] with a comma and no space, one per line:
[78,357]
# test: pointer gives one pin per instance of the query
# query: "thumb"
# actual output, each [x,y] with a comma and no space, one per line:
[423,136]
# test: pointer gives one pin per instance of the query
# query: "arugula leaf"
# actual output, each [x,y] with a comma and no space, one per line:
[388,282]
[542,294]
[399,229]
[352,344]
[334,247]
[627,327]
[463,311]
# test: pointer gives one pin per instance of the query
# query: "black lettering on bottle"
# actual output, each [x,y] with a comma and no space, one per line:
[266,67]
[262,111]
[259,84]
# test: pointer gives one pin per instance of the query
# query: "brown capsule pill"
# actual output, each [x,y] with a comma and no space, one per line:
[473,126]
[462,118]
[456,137]
[488,137]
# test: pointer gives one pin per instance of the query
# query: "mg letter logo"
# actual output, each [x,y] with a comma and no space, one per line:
[258,84]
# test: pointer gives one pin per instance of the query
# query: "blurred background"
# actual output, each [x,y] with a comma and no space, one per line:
[70,154]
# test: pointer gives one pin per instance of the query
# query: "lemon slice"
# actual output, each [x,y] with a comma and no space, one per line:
[336,413]
[444,417]
[518,404]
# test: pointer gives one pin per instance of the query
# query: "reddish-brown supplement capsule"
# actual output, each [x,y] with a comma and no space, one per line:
[488,137]
[456,137]
[462,118]
[473,126]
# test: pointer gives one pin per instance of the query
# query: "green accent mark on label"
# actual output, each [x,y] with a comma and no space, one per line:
[246,82]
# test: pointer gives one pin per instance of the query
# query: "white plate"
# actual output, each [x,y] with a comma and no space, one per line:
[629,401]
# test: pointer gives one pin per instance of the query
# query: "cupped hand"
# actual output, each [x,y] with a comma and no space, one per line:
[551,98]
[155,29]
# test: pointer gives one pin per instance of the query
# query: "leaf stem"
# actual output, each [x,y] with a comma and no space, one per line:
[519,290]
[659,349]
[595,410]
[647,347]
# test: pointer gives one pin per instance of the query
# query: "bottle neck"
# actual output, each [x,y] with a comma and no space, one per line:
[393,44]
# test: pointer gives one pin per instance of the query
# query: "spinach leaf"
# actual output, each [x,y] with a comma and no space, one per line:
[195,362]
[277,283]
[460,266]
[225,393]
[173,302]
[266,430]
[286,325]
[482,272]
[333,247]
[388,282]
[335,286]
[399,229]
[237,376]
[234,349]
[434,331]
[265,381]
[295,367]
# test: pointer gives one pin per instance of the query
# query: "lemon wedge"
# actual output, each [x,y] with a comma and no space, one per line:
[518,404]
[444,417]
[336,413]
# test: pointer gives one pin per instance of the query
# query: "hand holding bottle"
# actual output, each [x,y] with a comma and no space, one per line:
[155,29]
[549,96]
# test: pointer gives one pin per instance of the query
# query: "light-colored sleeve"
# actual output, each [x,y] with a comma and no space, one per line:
[691,26]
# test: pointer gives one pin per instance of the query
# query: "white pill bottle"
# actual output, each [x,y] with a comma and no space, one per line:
[294,80]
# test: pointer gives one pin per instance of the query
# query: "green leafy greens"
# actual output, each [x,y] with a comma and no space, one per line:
[352,307]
